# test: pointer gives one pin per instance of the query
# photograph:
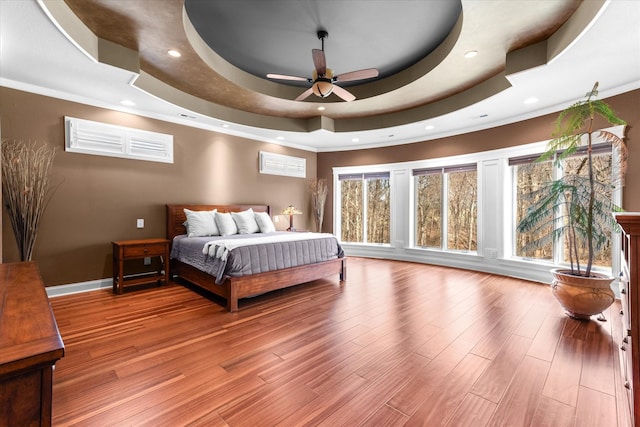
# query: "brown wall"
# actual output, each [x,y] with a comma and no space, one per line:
[98,199]
[539,129]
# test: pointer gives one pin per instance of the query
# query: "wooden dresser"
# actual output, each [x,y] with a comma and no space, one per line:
[630,311]
[30,345]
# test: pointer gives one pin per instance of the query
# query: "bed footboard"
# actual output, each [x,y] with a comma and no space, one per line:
[236,288]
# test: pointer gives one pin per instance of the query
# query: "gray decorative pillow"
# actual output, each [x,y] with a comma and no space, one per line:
[201,223]
[226,224]
[245,221]
[264,222]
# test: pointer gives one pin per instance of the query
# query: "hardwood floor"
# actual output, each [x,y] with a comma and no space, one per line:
[398,344]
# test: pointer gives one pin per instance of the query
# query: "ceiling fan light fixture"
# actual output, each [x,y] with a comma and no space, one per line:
[322,81]
[322,87]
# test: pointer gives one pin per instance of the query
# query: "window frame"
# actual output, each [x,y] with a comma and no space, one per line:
[444,171]
[494,220]
[362,176]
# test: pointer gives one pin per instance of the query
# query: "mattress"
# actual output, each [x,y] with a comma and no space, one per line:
[256,256]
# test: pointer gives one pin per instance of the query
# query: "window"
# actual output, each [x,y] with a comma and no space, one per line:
[352,209]
[463,210]
[603,171]
[428,187]
[365,212]
[455,189]
[462,206]
[530,178]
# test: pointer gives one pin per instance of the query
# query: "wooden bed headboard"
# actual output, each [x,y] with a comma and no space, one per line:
[176,216]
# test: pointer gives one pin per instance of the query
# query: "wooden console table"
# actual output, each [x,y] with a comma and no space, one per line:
[30,345]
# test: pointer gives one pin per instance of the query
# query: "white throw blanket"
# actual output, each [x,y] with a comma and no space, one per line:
[220,248]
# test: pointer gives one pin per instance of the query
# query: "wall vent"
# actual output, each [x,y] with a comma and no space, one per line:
[101,139]
[279,164]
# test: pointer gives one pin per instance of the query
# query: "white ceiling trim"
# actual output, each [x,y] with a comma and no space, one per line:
[608,51]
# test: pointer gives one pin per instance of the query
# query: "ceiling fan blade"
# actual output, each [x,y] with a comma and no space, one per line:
[319,61]
[285,77]
[304,94]
[343,93]
[367,73]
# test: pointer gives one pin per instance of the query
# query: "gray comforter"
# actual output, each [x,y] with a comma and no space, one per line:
[255,258]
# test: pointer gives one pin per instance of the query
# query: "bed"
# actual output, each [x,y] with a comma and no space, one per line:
[235,287]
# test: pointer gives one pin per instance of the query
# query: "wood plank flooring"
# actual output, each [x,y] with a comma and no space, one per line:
[398,344]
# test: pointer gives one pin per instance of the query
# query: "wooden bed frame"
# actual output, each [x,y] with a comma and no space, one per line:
[235,288]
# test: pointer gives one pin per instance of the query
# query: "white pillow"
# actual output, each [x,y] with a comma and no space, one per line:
[264,222]
[245,221]
[226,224]
[201,223]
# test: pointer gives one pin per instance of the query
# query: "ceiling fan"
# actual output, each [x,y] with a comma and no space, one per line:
[322,82]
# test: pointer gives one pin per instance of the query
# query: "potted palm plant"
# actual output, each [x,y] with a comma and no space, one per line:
[577,207]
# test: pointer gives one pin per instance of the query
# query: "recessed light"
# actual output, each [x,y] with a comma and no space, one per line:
[470,54]
[321,108]
[174,53]
[280,138]
[355,140]
[127,102]
[429,127]
[531,100]
[224,125]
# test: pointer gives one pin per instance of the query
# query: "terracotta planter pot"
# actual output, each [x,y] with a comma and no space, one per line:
[582,297]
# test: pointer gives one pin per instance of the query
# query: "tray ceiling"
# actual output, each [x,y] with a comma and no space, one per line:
[227,47]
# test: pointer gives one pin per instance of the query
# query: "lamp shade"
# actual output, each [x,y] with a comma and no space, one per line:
[290,210]
[322,87]
[323,84]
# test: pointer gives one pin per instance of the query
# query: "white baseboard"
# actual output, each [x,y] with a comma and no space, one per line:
[94,285]
[75,288]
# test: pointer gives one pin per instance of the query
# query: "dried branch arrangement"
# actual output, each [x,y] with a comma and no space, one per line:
[318,188]
[26,189]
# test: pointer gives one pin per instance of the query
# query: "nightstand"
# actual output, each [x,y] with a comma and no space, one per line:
[124,250]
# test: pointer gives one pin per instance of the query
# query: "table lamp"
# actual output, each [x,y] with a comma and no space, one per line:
[291,211]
